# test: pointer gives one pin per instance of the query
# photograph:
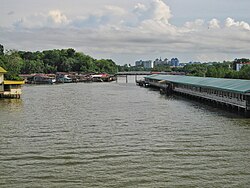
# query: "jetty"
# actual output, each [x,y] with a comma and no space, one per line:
[9,88]
[231,94]
[143,73]
[131,73]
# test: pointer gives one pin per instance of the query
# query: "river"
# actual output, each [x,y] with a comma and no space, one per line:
[119,135]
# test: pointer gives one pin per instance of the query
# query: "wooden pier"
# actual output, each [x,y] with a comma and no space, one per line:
[132,73]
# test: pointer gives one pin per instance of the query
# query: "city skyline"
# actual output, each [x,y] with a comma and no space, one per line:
[192,30]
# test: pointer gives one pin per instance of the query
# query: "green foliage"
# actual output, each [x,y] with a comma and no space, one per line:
[13,63]
[52,61]
[195,69]
[162,68]
[244,72]
[32,66]
[242,60]
[218,70]
[238,61]
[1,49]
[67,60]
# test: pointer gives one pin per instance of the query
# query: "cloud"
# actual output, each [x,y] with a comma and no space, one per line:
[115,10]
[142,29]
[54,18]
[140,8]
[231,23]
[214,23]
[198,23]
[160,11]
[57,17]
[156,12]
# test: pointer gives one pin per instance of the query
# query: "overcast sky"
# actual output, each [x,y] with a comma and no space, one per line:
[126,31]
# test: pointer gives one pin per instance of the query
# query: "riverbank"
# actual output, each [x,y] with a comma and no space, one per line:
[66,77]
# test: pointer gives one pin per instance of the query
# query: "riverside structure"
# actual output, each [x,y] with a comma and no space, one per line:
[9,88]
[229,93]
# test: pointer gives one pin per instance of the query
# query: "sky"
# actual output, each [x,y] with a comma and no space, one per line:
[131,30]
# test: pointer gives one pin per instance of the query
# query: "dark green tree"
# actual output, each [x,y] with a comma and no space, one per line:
[244,72]
[1,49]
[13,64]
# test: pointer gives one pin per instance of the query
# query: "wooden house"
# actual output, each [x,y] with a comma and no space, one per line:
[8,88]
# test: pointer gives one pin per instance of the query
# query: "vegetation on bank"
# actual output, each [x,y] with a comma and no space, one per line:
[224,69]
[68,60]
[52,61]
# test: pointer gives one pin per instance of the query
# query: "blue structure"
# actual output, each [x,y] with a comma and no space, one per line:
[174,62]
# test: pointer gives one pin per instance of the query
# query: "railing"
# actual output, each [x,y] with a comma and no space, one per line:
[232,101]
[132,73]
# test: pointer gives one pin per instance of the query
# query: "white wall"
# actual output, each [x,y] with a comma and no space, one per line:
[1,82]
[1,78]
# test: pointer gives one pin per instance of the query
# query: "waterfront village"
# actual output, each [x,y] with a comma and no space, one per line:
[224,83]
[66,77]
[12,88]
[228,93]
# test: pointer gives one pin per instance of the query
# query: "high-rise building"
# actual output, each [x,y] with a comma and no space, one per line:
[158,62]
[174,62]
[146,64]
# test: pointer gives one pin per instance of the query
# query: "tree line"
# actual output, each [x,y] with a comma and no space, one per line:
[52,61]
[218,70]
[225,69]
[68,60]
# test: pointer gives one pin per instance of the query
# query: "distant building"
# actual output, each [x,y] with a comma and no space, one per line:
[145,64]
[182,64]
[139,63]
[174,62]
[240,65]
[158,62]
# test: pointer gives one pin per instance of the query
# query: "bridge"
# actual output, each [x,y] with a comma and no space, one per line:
[132,73]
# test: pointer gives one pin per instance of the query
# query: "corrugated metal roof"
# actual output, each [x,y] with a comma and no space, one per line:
[2,70]
[234,85]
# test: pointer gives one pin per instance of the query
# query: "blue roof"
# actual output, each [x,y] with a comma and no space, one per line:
[233,85]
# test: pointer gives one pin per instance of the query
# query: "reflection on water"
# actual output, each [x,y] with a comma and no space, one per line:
[119,135]
[11,104]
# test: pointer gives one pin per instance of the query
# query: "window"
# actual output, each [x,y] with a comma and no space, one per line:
[6,87]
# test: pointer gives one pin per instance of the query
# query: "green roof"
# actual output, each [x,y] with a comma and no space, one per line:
[233,85]
[2,70]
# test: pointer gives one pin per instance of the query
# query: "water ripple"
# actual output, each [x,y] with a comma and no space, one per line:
[119,135]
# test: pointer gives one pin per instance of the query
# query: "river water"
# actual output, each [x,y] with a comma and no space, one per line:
[119,135]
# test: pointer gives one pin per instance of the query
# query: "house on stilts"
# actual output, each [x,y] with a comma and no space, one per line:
[9,88]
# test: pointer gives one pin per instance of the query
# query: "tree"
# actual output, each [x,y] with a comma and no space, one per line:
[52,61]
[244,72]
[1,49]
[32,66]
[70,52]
[195,69]
[13,63]
[160,68]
